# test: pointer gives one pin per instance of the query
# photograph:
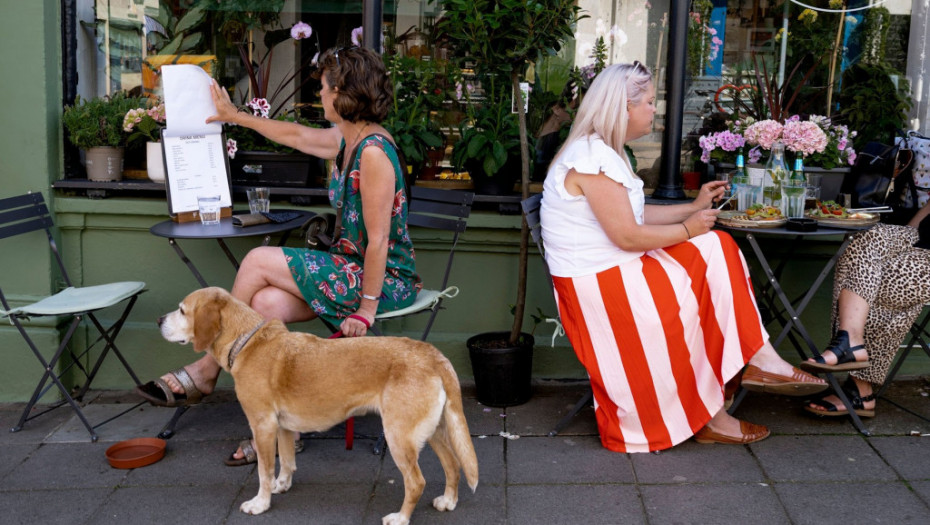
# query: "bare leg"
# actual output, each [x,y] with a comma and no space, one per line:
[263,282]
[853,311]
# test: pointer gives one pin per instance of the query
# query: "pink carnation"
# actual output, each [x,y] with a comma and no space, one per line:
[804,137]
[763,133]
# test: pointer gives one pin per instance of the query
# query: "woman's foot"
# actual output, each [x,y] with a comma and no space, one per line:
[768,372]
[843,353]
[246,455]
[860,397]
[726,429]
[176,388]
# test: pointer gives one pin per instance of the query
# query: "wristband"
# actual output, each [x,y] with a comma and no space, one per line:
[687,230]
[370,297]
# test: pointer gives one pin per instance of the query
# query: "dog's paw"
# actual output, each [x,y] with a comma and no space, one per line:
[444,503]
[256,505]
[281,485]
[395,519]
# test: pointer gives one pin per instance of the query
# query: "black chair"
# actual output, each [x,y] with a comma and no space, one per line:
[28,213]
[920,336]
[441,210]
[531,213]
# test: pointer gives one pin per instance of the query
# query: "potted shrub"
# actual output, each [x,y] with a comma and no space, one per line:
[499,38]
[145,124]
[96,126]
[420,88]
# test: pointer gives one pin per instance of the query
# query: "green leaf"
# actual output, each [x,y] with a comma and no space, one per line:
[190,19]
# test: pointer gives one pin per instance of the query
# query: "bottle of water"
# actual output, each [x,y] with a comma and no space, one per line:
[776,172]
[794,190]
[742,186]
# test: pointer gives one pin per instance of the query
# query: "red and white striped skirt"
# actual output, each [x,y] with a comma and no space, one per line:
[660,336]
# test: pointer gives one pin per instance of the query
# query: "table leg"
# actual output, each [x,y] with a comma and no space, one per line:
[794,320]
[187,261]
[229,254]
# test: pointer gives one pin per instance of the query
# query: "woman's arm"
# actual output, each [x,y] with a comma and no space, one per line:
[675,213]
[610,203]
[376,186]
[323,143]
[919,216]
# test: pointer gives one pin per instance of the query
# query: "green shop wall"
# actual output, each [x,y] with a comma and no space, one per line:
[30,136]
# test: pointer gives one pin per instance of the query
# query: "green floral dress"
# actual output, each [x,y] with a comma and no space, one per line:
[331,282]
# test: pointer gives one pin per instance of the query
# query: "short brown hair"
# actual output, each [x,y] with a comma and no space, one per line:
[365,91]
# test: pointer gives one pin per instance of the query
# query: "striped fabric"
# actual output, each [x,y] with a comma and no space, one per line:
[660,336]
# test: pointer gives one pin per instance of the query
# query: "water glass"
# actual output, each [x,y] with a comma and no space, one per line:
[793,197]
[728,191]
[258,199]
[209,208]
[813,189]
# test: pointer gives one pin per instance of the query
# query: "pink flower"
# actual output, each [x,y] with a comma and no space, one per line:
[301,30]
[231,148]
[357,36]
[804,137]
[850,156]
[763,133]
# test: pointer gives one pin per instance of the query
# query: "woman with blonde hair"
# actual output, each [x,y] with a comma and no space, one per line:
[658,307]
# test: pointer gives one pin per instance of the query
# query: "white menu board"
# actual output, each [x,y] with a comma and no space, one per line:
[195,152]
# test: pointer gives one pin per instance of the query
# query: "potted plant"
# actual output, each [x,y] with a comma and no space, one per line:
[255,160]
[146,123]
[96,126]
[500,38]
[420,88]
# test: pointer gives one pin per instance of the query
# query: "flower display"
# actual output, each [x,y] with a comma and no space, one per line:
[818,140]
[145,123]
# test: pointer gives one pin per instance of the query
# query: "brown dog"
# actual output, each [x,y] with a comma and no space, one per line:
[288,381]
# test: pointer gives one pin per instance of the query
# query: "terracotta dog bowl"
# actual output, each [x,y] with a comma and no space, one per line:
[135,453]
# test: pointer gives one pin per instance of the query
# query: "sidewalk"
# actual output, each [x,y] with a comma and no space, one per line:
[817,471]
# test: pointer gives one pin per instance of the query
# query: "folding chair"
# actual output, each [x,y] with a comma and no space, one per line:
[531,213]
[919,335]
[441,210]
[28,213]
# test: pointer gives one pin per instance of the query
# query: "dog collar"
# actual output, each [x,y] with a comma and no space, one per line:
[241,341]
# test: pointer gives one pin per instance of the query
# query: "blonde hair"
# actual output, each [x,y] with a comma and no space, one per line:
[603,110]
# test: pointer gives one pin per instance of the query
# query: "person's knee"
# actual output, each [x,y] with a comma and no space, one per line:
[265,302]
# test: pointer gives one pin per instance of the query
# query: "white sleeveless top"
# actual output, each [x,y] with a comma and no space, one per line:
[575,243]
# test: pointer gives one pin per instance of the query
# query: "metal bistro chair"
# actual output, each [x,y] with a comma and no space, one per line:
[441,210]
[28,213]
[531,213]
[919,335]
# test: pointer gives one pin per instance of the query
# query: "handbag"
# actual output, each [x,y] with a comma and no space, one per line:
[322,231]
[882,177]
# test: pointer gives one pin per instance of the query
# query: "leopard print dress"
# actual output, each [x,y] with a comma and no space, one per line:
[883,267]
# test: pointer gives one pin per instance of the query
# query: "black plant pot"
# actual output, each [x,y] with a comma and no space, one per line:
[502,371]
[502,183]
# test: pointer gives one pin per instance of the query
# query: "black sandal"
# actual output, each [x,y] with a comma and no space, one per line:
[825,408]
[845,359]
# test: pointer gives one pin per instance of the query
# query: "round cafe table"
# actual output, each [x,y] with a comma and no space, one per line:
[770,293]
[225,230]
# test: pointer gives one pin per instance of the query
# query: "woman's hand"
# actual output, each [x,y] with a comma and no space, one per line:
[225,110]
[351,327]
[701,221]
[710,192]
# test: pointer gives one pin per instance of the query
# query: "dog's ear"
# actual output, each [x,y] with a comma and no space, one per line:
[207,321]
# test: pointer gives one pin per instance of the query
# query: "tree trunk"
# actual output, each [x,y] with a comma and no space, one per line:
[525,193]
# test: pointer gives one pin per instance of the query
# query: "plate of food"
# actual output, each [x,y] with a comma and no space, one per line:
[757,216]
[829,213]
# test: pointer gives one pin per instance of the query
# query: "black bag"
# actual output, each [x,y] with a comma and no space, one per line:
[882,177]
[320,231]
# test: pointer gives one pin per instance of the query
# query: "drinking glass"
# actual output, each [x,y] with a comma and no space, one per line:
[258,199]
[793,197]
[209,207]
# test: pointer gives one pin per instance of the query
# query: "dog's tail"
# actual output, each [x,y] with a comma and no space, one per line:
[457,427]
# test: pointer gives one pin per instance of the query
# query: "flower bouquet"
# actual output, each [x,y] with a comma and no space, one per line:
[817,140]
